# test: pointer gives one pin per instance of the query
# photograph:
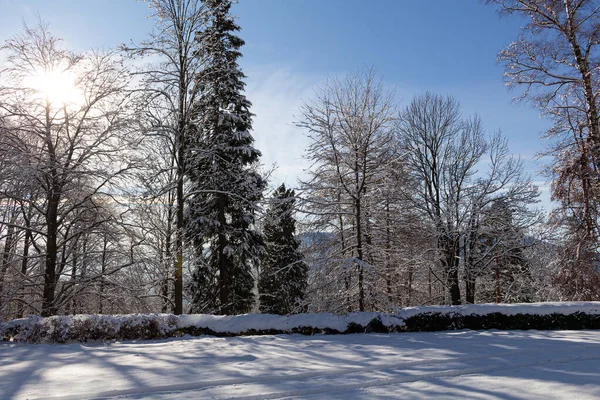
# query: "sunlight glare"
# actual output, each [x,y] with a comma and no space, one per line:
[57,87]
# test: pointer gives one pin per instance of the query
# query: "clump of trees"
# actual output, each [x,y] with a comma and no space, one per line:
[148,172]
[377,167]
[136,186]
[62,159]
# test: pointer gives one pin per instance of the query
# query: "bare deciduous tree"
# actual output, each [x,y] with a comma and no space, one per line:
[556,61]
[350,125]
[66,120]
[167,102]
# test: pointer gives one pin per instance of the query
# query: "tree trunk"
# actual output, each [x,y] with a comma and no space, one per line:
[469,288]
[451,267]
[588,86]
[50,278]
[497,276]
[7,253]
[178,287]
[74,279]
[429,283]
[181,138]
[359,253]
[224,278]
[103,271]
[388,253]
[53,197]
[450,264]
[343,253]
[409,284]
[81,305]
[359,247]
[164,287]
[24,262]
[454,288]
[469,250]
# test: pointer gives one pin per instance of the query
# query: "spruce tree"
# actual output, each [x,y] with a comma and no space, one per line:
[502,242]
[283,273]
[225,186]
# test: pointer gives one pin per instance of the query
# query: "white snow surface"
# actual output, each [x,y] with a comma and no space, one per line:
[448,365]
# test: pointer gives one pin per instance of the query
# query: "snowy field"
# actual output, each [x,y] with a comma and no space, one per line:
[448,365]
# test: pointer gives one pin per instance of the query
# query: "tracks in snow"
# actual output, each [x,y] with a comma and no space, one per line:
[339,379]
[450,373]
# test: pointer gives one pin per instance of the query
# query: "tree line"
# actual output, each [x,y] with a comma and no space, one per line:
[135,185]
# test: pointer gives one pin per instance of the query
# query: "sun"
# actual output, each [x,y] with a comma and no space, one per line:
[56,87]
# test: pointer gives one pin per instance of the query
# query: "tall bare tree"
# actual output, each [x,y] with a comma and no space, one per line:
[556,61]
[170,93]
[350,125]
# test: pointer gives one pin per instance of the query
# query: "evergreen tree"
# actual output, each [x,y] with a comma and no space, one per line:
[283,274]
[501,246]
[225,186]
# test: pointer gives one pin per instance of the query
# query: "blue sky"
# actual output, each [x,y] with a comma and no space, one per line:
[448,47]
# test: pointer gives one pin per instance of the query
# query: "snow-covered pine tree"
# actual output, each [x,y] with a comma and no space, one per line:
[225,186]
[501,244]
[283,273]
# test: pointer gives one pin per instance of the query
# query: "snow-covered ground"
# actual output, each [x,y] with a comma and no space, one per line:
[449,365]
